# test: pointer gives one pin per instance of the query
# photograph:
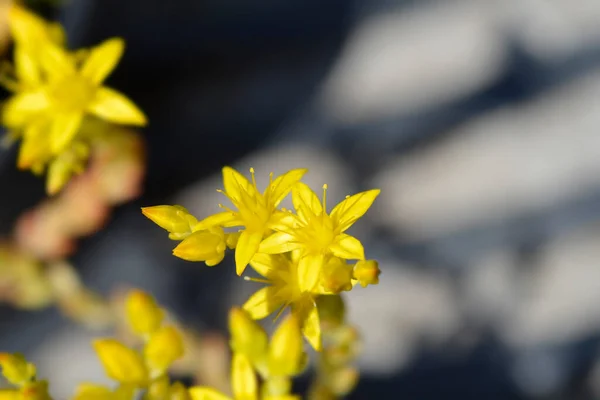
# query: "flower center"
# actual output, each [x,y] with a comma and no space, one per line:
[72,93]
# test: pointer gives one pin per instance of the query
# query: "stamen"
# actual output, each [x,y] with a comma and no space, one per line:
[253,178]
[281,310]
[324,198]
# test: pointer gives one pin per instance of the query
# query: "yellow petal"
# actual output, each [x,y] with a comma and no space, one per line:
[246,248]
[350,210]
[26,68]
[262,303]
[206,393]
[279,242]
[282,185]
[90,391]
[308,316]
[268,264]
[243,378]
[64,128]
[286,351]
[174,219]
[225,219]
[103,59]
[201,246]
[113,106]
[120,362]
[367,272]
[163,349]
[247,337]
[56,62]
[143,314]
[26,28]
[16,369]
[305,201]
[35,147]
[23,107]
[10,394]
[309,270]
[348,247]
[235,183]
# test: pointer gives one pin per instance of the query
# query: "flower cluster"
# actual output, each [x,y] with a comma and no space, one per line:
[134,370]
[22,374]
[54,92]
[300,254]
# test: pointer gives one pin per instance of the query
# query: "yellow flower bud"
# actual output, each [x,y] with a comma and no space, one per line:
[286,351]
[16,369]
[208,246]
[231,239]
[343,381]
[174,219]
[367,272]
[143,314]
[206,393]
[336,276]
[35,391]
[247,337]
[121,363]
[164,347]
[179,392]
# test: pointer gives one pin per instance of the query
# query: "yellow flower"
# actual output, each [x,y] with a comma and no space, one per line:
[143,314]
[174,219]
[205,245]
[366,272]
[21,373]
[90,391]
[71,90]
[276,361]
[318,234]
[281,275]
[255,211]
[131,368]
[121,363]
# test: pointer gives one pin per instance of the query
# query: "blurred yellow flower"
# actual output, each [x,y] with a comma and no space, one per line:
[17,371]
[256,212]
[318,234]
[72,90]
[276,361]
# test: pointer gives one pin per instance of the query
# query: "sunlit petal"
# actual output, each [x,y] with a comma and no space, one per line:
[282,185]
[113,106]
[64,128]
[243,378]
[279,242]
[103,59]
[262,303]
[246,248]
[351,209]
[309,269]
[348,247]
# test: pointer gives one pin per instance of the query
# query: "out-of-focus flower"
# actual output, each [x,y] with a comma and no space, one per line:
[17,371]
[318,234]
[133,369]
[276,362]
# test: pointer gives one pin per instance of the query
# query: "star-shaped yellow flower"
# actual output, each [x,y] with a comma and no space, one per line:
[281,275]
[71,90]
[255,211]
[317,234]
